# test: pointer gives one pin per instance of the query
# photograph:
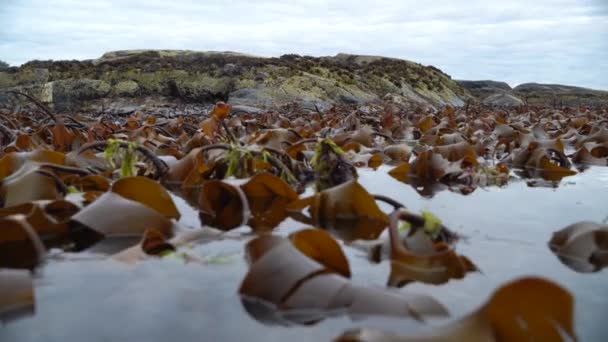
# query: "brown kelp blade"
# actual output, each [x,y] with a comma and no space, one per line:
[526,309]
[582,246]
[16,294]
[302,280]
[346,210]
[422,259]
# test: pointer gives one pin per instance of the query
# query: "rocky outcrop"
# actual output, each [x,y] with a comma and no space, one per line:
[535,94]
[65,94]
[492,93]
[502,100]
[483,89]
[560,95]
[205,77]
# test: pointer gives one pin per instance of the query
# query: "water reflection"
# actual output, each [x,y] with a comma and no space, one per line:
[467,184]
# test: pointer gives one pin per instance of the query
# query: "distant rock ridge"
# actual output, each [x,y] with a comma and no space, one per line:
[184,76]
[485,88]
[557,95]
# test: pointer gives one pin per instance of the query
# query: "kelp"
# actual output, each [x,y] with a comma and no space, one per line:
[331,165]
[416,257]
[16,294]
[582,246]
[153,242]
[29,183]
[260,202]
[147,192]
[524,309]
[418,234]
[126,156]
[48,222]
[112,215]
[82,182]
[303,279]
[346,210]
[156,244]
[20,245]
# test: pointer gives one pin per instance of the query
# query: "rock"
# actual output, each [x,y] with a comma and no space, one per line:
[321,105]
[123,109]
[249,97]
[65,94]
[204,89]
[260,77]
[345,98]
[231,69]
[248,109]
[503,100]
[15,77]
[113,55]
[117,107]
[46,94]
[405,102]
[126,88]
[483,89]
[7,80]
[206,77]
[5,100]
[556,95]
[492,93]
[33,76]
[126,110]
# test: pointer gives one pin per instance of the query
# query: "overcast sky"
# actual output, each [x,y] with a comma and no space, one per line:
[517,41]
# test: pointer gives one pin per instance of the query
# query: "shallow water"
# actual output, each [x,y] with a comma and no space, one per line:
[506,231]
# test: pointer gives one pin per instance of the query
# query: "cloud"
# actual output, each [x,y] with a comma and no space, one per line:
[556,41]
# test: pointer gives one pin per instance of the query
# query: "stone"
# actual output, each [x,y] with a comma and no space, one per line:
[66,94]
[204,89]
[46,94]
[7,80]
[345,98]
[126,88]
[231,69]
[33,76]
[248,109]
[248,96]
[260,76]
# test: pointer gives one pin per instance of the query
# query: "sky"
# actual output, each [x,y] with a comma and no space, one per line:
[516,41]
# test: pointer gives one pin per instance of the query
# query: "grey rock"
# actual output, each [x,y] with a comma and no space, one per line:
[248,109]
[321,105]
[349,99]
[231,69]
[65,94]
[503,100]
[558,95]
[205,89]
[249,97]
[535,94]
[260,76]
[33,76]
[5,100]
[124,110]
[483,89]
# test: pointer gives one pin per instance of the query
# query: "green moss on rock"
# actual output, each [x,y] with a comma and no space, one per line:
[126,88]
[211,76]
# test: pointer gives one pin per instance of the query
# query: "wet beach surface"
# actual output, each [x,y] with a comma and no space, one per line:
[506,230]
